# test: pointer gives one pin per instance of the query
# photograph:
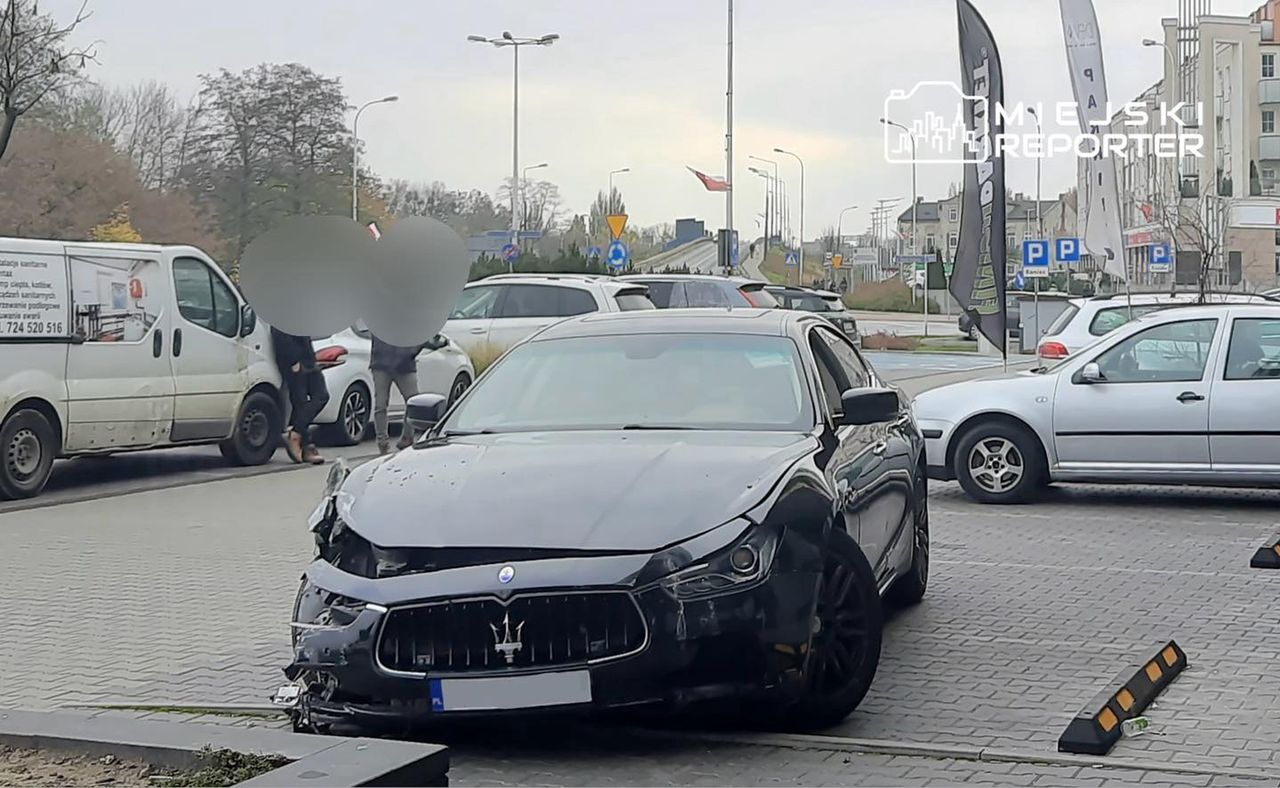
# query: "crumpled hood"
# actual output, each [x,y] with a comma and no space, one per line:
[613,491]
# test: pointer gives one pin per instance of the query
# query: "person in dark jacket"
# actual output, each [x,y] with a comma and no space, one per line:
[296,359]
[393,364]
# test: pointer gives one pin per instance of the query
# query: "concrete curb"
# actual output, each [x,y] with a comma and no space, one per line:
[315,760]
[964,753]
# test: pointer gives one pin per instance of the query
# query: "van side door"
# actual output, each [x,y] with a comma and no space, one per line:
[209,362]
[120,386]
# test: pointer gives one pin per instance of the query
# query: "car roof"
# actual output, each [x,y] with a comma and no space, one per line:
[737,280]
[761,322]
[1214,296]
[1238,309]
[611,283]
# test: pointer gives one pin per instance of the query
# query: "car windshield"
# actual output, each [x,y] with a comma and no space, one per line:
[809,302]
[646,381]
[1060,323]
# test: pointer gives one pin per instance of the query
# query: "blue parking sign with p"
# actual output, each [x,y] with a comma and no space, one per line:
[1067,250]
[1035,253]
[1161,254]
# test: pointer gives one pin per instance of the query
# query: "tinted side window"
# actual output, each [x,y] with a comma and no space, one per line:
[539,301]
[1108,320]
[575,302]
[828,375]
[855,370]
[1254,351]
[632,302]
[706,294]
[660,293]
[203,298]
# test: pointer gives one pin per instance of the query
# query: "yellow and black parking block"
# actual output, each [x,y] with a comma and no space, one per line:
[1096,729]
[1268,556]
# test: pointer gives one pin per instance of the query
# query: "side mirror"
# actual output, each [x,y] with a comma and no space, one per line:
[869,406]
[248,320]
[424,411]
[1091,373]
[436,342]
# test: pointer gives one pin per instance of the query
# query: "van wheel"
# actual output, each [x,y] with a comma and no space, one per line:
[29,444]
[257,430]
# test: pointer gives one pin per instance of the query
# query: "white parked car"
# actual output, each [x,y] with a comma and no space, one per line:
[443,368]
[1086,319]
[1178,396]
[500,311]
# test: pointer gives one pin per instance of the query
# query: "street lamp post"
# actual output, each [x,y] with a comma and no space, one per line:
[611,174]
[1175,94]
[840,239]
[355,153]
[801,163]
[915,230]
[508,40]
[768,191]
[524,193]
[776,185]
[1035,286]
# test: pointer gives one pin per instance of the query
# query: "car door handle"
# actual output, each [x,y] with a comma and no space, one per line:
[177,342]
[477,330]
[1190,396]
[157,344]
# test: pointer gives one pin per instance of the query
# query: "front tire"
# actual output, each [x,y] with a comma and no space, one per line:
[28,445]
[1000,463]
[257,428]
[459,387]
[845,651]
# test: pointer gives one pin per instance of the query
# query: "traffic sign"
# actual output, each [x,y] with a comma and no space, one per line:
[793,260]
[510,252]
[1035,259]
[595,253]
[619,255]
[837,260]
[1067,250]
[617,223]
[1019,282]
[1161,259]
[826,259]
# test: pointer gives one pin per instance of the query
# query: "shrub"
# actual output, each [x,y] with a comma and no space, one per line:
[888,296]
[484,355]
[886,341]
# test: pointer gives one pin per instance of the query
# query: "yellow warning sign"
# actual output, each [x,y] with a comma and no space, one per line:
[617,223]
[837,260]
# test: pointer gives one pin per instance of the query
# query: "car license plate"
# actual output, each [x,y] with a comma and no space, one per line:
[511,692]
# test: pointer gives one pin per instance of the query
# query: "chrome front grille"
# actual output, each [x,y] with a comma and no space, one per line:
[527,631]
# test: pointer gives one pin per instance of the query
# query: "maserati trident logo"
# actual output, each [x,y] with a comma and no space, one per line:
[504,642]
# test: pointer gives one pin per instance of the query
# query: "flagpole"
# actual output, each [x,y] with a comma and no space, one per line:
[728,150]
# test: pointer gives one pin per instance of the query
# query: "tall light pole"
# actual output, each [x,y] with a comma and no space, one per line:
[777,199]
[801,162]
[1175,93]
[768,193]
[508,40]
[728,142]
[914,198]
[1035,285]
[611,174]
[524,195]
[355,153]
[840,241]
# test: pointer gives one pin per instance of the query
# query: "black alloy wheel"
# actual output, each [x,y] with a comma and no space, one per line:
[845,648]
[911,587]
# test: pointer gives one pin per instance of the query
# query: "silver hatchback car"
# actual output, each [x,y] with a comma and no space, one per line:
[1179,396]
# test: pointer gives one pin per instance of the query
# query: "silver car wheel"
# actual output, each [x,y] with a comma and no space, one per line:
[996,465]
[355,414]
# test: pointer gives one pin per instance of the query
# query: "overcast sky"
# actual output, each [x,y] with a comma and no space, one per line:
[637,85]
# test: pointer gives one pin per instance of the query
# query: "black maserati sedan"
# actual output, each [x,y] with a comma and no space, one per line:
[656,508]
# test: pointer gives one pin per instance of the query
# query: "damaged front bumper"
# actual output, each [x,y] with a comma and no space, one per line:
[744,644]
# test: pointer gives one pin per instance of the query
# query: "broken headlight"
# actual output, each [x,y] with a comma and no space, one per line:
[316,608]
[738,567]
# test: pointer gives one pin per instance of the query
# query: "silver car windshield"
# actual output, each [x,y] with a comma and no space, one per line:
[645,381]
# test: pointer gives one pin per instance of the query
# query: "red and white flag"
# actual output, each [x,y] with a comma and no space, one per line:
[373,230]
[713,183]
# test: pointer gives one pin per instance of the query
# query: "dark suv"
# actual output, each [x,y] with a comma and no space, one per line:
[822,302]
[683,291]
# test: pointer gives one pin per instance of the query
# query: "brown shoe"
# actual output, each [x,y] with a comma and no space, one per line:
[312,455]
[293,446]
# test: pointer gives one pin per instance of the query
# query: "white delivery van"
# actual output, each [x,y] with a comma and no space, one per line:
[121,347]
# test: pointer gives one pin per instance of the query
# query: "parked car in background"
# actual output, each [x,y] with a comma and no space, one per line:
[110,348]
[1013,320]
[443,368]
[698,291]
[1086,319]
[821,302]
[571,541]
[496,312]
[1177,396]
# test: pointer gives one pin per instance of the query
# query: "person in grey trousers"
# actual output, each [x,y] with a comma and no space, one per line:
[393,364]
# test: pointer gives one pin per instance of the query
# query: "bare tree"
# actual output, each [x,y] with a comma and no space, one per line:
[1195,225]
[36,60]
